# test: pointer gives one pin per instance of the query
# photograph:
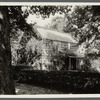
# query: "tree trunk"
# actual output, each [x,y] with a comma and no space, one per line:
[6,73]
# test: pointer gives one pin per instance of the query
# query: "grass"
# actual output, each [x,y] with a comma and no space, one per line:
[22,88]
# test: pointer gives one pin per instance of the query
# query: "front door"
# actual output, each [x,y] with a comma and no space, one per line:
[73,63]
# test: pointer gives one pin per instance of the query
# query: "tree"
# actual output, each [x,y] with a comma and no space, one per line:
[6,78]
[13,18]
[85,22]
[57,23]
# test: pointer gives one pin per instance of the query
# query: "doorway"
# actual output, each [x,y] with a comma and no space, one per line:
[73,63]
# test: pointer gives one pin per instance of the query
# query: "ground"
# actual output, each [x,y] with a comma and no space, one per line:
[22,88]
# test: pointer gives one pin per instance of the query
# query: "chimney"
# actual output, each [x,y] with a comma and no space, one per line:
[69,46]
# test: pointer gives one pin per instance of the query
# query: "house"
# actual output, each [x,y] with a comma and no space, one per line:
[54,50]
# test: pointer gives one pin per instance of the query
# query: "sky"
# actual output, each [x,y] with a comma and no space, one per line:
[40,21]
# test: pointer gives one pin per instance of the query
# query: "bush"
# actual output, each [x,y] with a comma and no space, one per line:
[68,81]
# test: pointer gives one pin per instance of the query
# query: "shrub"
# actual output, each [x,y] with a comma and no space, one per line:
[68,81]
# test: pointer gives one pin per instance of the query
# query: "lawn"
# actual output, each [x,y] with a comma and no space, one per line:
[22,88]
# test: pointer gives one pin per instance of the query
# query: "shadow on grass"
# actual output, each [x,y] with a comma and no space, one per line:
[63,88]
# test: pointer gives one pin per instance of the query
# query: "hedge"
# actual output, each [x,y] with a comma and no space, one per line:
[67,81]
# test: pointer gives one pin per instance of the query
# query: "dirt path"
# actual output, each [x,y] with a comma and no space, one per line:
[29,89]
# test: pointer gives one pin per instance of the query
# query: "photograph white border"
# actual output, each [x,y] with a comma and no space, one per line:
[50,95]
[47,3]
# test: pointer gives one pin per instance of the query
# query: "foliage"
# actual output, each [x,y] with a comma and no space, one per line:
[86,22]
[83,23]
[46,11]
[66,81]
[57,23]
[32,51]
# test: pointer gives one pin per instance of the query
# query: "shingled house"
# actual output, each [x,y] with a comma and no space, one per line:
[58,50]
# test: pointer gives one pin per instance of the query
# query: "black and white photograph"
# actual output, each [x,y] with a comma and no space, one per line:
[49,48]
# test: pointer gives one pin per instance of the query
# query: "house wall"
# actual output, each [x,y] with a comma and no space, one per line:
[53,54]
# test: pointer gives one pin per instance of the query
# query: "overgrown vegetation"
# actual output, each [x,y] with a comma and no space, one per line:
[82,22]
